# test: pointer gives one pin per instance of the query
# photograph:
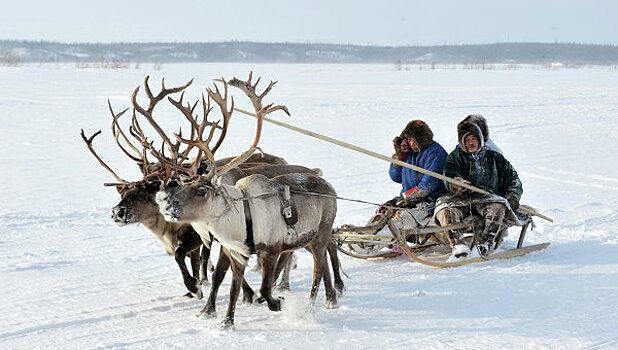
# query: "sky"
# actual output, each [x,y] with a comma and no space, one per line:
[388,23]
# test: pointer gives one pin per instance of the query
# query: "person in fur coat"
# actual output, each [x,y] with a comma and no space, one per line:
[481,122]
[484,168]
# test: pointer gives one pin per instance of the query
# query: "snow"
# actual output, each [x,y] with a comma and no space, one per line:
[72,279]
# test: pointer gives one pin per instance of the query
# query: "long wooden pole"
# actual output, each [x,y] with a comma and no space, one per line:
[388,159]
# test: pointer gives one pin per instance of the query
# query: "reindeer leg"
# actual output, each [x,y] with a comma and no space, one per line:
[318,249]
[331,293]
[334,261]
[205,260]
[186,247]
[248,295]
[223,264]
[238,269]
[317,274]
[269,262]
[284,264]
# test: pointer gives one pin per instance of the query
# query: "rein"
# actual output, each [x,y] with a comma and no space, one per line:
[317,194]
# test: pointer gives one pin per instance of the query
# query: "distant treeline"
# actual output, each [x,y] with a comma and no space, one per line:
[236,51]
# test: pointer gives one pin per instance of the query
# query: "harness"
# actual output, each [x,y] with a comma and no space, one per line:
[249,223]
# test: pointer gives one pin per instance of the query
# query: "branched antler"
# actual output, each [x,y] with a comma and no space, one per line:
[117,132]
[153,100]
[255,98]
[225,112]
[88,141]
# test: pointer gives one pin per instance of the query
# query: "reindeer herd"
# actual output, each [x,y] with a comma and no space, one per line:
[255,203]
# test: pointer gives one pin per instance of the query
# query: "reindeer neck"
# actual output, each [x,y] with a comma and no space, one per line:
[156,224]
[165,232]
[224,202]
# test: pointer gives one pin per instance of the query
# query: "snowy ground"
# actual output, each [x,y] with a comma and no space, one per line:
[71,279]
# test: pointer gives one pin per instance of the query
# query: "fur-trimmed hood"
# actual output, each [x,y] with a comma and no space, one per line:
[466,128]
[480,121]
[420,132]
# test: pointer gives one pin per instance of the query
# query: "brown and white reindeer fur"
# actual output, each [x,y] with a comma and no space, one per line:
[220,210]
[269,171]
[138,206]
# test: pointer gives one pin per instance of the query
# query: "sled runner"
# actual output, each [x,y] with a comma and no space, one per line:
[426,245]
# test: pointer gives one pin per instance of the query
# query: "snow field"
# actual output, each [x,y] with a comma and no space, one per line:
[72,280]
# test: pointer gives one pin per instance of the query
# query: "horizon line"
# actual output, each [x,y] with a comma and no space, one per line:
[295,43]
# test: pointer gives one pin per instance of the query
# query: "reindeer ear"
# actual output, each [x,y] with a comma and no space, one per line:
[216,181]
[153,186]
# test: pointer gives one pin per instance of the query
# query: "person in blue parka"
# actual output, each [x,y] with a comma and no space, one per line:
[414,205]
[416,146]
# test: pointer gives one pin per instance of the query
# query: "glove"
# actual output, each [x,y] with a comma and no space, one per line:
[459,189]
[397,146]
[411,197]
[401,147]
[513,200]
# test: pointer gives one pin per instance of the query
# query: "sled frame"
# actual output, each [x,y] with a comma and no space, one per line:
[362,242]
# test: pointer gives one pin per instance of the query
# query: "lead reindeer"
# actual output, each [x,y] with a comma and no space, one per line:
[137,205]
[247,218]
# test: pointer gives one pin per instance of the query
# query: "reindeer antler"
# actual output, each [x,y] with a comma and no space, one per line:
[153,100]
[254,97]
[225,112]
[88,141]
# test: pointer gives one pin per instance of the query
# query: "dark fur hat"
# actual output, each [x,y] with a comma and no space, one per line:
[480,121]
[466,128]
[420,132]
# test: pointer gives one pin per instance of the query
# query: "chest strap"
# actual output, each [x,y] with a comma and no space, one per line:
[249,223]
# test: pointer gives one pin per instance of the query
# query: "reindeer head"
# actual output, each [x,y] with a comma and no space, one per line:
[137,203]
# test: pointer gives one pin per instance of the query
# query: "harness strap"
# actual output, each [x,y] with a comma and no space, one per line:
[249,223]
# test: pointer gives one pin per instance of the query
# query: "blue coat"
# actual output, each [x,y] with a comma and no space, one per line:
[431,158]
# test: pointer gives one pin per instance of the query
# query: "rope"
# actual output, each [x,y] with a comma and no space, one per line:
[355,200]
[317,194]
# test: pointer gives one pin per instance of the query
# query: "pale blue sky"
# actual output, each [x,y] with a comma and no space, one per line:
[400,22]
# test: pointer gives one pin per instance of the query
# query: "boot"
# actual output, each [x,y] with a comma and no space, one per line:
[459,248]
[486,244]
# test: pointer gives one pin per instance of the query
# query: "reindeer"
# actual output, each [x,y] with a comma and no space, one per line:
[138,206]
[246,218]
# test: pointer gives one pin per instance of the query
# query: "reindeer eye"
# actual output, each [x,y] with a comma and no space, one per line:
[200,191]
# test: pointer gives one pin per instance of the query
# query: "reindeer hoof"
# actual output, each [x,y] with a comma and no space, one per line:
[275,304]
[227,325]
[251,298]
[284,287]
[188,295]
[331,304]
[207,311]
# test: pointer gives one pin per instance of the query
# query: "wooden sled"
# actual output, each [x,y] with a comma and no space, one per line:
[362,242]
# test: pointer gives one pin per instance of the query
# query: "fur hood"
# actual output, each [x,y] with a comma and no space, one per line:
[420,132]
[466,128]
[480,121]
